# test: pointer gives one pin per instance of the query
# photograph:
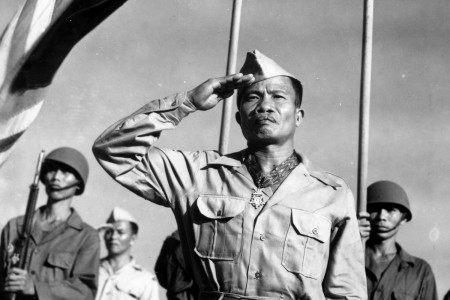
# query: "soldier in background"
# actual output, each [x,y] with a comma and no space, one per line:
[171,270]
[391,272]
[120,277]
[64,251]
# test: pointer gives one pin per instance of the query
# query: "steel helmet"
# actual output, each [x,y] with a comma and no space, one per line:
[71,158]
[388,192]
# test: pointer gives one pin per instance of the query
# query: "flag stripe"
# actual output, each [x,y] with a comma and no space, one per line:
[7,143]
[32,48]
[20,121]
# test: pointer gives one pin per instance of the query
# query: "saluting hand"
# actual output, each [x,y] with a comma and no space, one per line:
[364,224]
[19,280]
[208,94]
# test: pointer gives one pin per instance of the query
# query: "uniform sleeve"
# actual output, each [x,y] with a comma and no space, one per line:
[126,151]
[345,276]
[428,289]
[3,257]
[151,290]
[82,283]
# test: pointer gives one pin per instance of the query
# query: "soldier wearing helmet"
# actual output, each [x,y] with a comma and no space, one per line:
[391,272]
[64,252]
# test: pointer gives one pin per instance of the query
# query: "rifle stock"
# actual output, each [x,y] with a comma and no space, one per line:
[19,258]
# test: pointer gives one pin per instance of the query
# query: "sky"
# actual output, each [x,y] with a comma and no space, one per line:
[151,49]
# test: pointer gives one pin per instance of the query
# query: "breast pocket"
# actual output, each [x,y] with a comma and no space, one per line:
[306,243]
[400,295]
[128,290]
[58,265]
[220,222]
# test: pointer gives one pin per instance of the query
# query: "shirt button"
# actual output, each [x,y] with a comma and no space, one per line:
[262,237]
[33,272]
[258,275]
[315,231]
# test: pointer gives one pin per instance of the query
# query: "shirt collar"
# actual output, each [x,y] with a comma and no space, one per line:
[405,258]
[73,221]
[130,265]
[233,160]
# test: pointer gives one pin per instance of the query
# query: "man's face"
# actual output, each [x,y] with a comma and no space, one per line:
[385,221]
[119,238]
[267,112]
[60,181]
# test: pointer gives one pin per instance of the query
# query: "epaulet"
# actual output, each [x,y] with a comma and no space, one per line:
[321,175]
[327,178]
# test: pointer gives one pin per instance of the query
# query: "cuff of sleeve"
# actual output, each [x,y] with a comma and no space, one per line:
[183,107]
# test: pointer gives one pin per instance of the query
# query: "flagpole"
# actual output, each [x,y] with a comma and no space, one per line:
[366,70]
[231,69]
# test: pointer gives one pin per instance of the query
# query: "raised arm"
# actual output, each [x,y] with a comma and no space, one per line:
[125,150]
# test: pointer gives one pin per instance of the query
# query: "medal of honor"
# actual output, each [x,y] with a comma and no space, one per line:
[257,199]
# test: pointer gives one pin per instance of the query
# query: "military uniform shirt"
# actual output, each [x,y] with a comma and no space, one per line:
[406,278]
[305,240]
[63,262]
[128,283]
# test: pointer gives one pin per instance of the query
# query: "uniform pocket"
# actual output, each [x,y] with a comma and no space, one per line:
[58,266]
[402,296]
[128,290]
[306,243]
[220,223]
[63,260]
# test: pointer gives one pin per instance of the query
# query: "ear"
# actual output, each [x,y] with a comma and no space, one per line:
[133,239]
[299,114]
[404,220]
[238,117]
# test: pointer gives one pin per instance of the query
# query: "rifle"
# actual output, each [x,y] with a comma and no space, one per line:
[20,252]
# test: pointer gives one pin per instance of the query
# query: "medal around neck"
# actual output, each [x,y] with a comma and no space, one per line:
[257,199]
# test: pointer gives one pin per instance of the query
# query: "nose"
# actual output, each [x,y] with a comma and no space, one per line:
[382,213]
[265,105]
[56,174]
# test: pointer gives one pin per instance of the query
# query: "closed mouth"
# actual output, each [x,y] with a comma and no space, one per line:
[264,119]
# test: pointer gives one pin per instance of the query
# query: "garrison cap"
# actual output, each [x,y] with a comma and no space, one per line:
[388,192]
[71,158]
[262,68]
[120,214]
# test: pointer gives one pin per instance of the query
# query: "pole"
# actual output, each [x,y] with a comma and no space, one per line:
[231,69]
[366,70]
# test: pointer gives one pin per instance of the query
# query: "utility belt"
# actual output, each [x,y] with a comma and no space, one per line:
[229,296]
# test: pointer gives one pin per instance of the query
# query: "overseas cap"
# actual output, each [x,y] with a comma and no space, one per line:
[388,192]
[264,68]
[119,214]
[71,158]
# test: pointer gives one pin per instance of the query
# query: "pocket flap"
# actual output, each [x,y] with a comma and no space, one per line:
[220,207]
[127,288]
[402,296]
[311,225]
[62,260]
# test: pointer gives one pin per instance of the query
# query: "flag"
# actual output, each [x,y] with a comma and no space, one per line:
[32,48]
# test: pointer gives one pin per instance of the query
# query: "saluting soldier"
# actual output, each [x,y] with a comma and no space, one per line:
[261,223]
[64,251]
[392,273]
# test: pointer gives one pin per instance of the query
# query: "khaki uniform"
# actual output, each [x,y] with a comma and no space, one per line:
[304,240]
[63,262]
[128,283]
